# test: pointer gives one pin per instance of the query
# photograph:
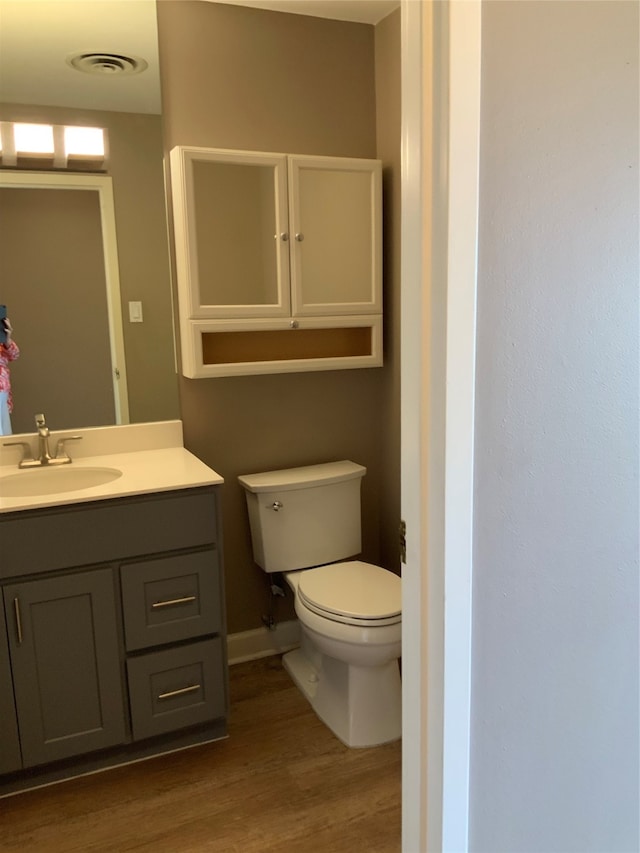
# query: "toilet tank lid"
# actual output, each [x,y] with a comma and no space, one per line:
[308,476]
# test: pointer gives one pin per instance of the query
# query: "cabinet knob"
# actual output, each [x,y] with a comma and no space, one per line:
[293,324]
[299,237]
[284,236]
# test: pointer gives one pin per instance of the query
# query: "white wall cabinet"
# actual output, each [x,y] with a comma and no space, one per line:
[279,261]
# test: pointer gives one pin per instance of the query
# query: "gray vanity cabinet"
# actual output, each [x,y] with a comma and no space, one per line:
[10,758]
[112,633]
[65,660]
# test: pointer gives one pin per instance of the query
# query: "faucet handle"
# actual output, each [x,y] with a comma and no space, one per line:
[26,450]
[40,421]
[60,446]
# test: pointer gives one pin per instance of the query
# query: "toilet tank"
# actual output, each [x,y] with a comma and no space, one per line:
[301,517]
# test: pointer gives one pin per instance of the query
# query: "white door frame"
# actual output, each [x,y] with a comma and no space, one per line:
[440,161]
[102,184]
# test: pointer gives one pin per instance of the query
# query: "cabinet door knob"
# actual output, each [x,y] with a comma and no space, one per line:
[284,236]
[293,324]
[299,237]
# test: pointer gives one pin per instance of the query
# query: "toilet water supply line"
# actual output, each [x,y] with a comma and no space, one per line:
[276,590]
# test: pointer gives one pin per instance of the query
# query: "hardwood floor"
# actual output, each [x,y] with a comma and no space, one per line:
[281,782]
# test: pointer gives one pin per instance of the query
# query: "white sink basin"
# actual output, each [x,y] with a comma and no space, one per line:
[50,481]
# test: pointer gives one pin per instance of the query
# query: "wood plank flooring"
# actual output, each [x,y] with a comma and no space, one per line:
[281,782]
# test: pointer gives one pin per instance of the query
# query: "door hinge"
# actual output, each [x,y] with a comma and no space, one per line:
[403,541]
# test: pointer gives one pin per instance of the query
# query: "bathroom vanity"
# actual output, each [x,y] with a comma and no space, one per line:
[112,627]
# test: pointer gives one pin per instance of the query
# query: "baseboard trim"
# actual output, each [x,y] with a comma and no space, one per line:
[261,643]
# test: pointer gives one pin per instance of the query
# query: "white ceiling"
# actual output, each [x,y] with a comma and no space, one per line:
[37,36]
[360,11]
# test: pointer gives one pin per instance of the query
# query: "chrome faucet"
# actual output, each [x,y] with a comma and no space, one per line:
[44,455]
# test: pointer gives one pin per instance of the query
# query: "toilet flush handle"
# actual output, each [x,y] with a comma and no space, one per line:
[276,505]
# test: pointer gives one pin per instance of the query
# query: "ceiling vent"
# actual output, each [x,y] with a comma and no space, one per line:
[106,63]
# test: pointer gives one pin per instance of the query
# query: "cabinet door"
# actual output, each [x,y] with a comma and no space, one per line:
[232,233]
[65,658]
[336,235]
[9,744]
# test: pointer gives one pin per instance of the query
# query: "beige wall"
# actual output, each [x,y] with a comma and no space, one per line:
[135,165]
[236,77]
[554,736]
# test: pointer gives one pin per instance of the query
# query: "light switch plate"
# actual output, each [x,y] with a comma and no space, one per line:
[135,312]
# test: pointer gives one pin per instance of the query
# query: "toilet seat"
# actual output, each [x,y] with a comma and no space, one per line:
[353,592]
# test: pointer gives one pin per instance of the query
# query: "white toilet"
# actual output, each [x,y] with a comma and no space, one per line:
[303,522]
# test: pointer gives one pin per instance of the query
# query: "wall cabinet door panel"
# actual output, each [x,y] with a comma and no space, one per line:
[232,232]
[66,668]
[335,210]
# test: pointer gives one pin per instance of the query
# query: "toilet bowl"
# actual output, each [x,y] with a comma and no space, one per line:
[349,610]
[348,670]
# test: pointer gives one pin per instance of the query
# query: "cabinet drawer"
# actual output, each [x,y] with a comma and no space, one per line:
[171,599]
[175,688]
[104,531]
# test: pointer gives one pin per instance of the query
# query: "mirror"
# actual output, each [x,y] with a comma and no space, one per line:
[58,236]
[39,85]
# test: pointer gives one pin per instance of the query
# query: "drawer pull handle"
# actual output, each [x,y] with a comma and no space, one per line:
[16,610]
[173,601]
[180,692]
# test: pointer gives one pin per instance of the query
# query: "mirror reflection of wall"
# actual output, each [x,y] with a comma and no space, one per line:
[53,280]
[56,94]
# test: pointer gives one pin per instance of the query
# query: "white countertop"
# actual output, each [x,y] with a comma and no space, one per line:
[161,469]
